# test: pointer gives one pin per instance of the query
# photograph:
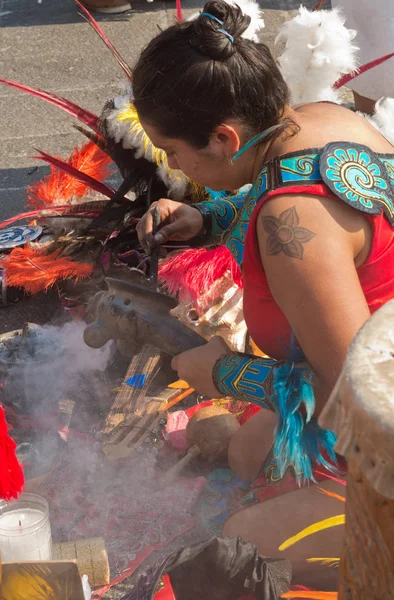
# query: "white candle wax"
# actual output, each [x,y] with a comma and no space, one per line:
[25,532]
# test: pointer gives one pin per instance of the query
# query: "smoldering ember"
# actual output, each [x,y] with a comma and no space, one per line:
[197,300]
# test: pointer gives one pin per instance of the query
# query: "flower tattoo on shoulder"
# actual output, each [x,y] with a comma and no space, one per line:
[285,234]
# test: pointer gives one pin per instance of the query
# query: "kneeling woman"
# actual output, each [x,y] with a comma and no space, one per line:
[314,239]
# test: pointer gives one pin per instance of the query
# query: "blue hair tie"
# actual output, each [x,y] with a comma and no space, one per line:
[227,34]
[219,22]
[212,17]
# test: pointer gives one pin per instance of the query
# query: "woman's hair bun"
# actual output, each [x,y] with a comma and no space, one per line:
[206,36]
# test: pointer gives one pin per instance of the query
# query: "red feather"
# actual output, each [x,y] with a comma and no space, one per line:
[123,64]
[374,63]
[73,109]
[35,271]
[59,186]
[192,273]
[178,7]
[11,473]
[86,179]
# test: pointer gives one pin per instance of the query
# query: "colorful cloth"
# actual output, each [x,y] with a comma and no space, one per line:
[226,494]
[119,505]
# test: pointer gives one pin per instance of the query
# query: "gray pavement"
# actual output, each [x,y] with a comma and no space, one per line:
[48,45]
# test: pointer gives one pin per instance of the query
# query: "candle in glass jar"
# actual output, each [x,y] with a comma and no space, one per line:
[25,532]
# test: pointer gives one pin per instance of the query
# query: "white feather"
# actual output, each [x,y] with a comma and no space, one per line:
[383,118]
[175,181]
[119,130]
[318,50]
[250,8]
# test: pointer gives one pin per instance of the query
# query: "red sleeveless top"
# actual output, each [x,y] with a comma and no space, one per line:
[266,322]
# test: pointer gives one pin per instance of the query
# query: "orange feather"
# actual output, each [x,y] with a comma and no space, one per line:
[332,494]
[35,271]
[59,187]
[312,595]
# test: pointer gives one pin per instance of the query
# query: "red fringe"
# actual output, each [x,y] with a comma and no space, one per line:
[192,273]
[11,473]
[35,271]
[178,7]
[60,187]
[73,109]
[122,63]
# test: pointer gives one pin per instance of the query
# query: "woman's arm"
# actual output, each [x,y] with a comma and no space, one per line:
[219,215]
[182,222]
[308,246]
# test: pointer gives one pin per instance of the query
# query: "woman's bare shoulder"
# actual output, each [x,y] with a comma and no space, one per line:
[322,123]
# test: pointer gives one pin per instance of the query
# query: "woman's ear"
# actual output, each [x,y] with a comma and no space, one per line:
[225,141]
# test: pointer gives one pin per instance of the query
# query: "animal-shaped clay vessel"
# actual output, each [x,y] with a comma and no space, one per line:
[134,315]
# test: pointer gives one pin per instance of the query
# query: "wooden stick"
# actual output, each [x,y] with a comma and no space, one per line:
[180,466]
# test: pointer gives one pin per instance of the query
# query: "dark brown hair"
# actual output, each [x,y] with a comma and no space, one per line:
[191,77]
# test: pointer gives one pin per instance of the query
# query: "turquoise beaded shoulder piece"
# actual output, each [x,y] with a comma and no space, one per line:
[359,177]
[235,236]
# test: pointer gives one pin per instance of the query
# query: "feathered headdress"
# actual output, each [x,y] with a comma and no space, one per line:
[122,124]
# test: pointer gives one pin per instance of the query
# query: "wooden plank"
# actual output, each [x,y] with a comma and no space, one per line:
[129,398]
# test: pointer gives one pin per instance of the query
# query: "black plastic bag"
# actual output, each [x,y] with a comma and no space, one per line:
[217,569]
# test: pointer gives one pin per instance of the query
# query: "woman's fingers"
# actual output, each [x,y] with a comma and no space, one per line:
[169,232]
[177,222]
[145,224]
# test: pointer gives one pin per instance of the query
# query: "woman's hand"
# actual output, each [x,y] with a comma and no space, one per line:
[178,222]
[195,366]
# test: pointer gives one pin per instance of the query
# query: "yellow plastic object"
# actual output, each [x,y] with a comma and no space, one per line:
[319,526]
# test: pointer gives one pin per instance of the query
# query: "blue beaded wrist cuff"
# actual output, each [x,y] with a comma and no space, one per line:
[285,389]
[222,214]
[245,377]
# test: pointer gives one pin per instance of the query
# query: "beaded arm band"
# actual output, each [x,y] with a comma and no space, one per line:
[286,389]
[219,215]
[245,377]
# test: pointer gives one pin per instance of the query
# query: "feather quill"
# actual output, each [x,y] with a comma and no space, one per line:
[318,50]
[35,271]
[60,187]
[93,23]
[363,69]
[315,528]
[73,109]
